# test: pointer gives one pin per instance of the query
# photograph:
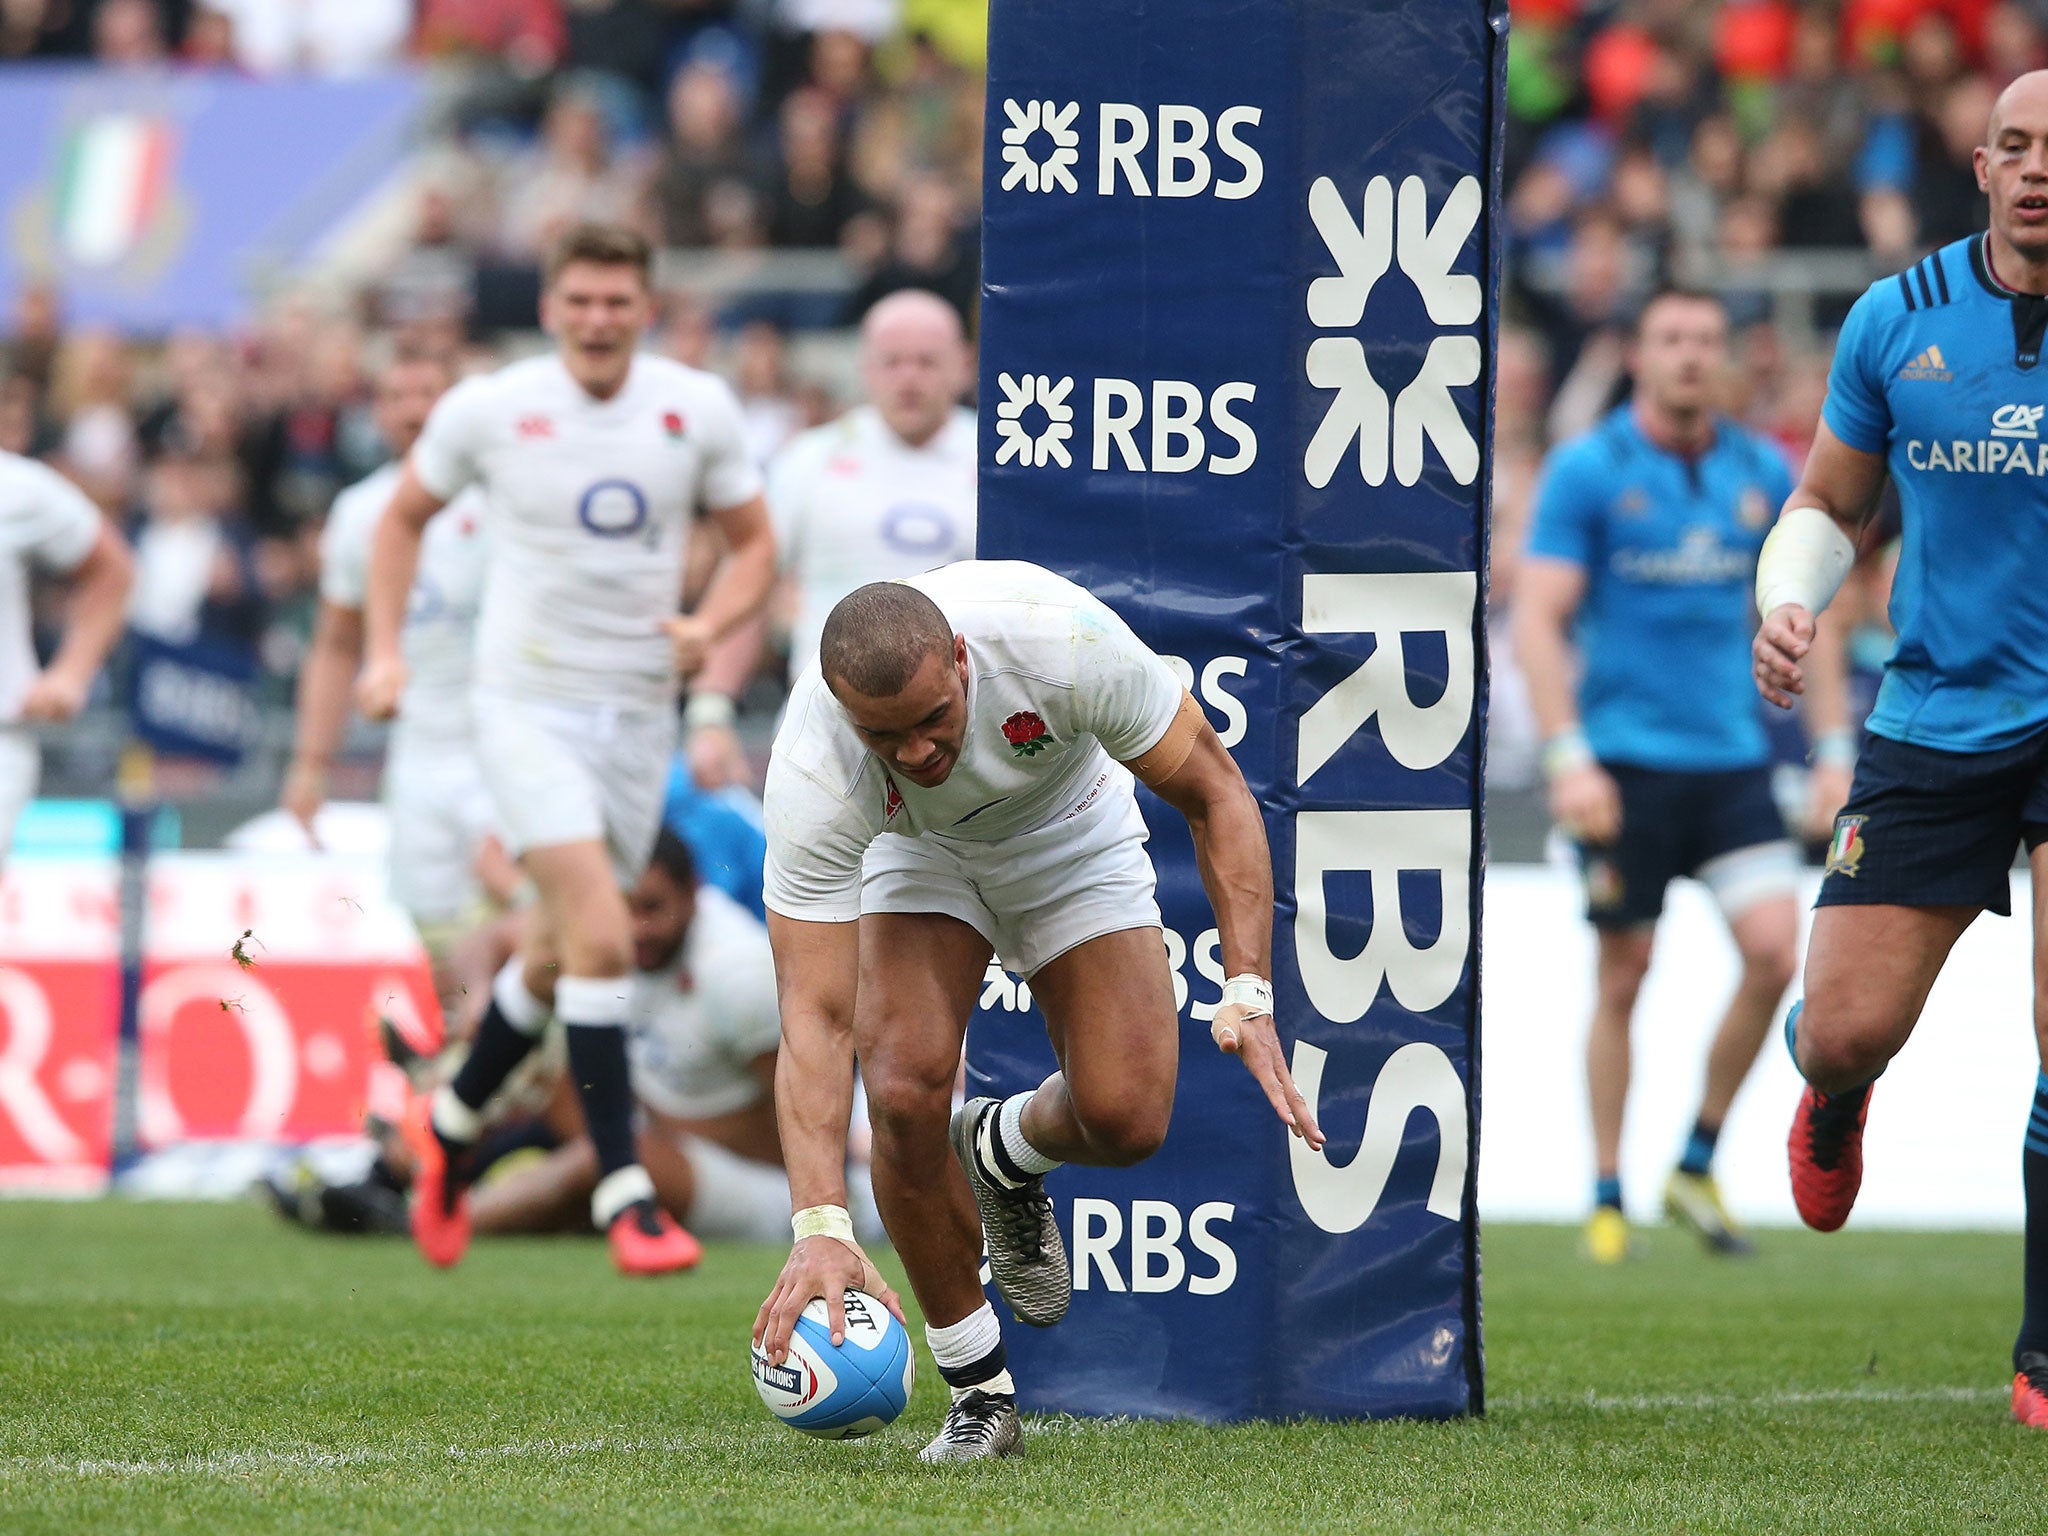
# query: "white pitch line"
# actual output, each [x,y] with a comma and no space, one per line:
[1709,1402]
[309,1459]
[232,1463]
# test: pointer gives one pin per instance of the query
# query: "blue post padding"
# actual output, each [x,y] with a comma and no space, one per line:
[1240,269]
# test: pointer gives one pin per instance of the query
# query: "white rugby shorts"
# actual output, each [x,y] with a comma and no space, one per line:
[21,766]
[1033,896]
[573,773]
[441,811]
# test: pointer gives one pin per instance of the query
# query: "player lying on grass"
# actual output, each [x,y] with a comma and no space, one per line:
[1936,382]
[985,713]
[703,1036]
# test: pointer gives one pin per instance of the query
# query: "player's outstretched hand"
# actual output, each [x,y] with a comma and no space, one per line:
[379,688]
[692,639]
[1251,1038]
[1781,644]
[819,1266]
[1586,802]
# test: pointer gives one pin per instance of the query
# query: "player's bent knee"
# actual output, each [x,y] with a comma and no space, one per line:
[1833,1060]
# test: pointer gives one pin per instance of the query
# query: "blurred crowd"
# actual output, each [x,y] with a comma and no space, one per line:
[1647,140]
[849,128]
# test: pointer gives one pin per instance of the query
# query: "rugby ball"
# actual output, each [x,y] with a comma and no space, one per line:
[840,1391]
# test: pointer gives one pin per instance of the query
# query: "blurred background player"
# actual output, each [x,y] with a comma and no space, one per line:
[887,490]
[955,781]
[444,859]
[594,460]
[1636,582]
[1936,382]
[47,523]
[703,1035]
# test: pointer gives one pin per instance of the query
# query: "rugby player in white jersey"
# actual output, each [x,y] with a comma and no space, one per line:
[955,779]
[433,788]
[594,460]
[47,523]
[886,490]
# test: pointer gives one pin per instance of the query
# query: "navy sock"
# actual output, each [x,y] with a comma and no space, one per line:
[597,1063]
[2033,1337]
[1607,1191]
[1699,1148]
[497,1049]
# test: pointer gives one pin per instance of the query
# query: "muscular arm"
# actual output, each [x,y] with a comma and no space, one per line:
[1192,771]
[740,586]
[326,677]
[815,967]
[95,615]
[1547,597]
[1842,483]
[394,565]
[1583,797]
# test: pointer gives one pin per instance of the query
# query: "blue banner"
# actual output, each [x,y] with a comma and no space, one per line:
[194,700]
[1240,280]
[162,198]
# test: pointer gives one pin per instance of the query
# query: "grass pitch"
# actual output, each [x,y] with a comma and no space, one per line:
[201,1369]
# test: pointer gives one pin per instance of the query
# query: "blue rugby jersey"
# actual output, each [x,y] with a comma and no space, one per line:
[1669,547]
[1938,370]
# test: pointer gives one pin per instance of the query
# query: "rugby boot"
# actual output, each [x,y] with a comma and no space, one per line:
[979,1426]
[2030,1390]
[646,1240]
[1026,1254]
[1826,1151]
[1606,1235]
[440,1199]
[1694,1200]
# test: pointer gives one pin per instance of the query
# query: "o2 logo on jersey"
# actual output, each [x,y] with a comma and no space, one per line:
[613,509]
[918,528]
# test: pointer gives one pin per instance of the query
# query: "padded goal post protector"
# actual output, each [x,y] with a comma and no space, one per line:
[1238,311]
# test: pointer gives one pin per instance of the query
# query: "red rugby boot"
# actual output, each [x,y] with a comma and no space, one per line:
[2030,1391]
[646,1240]
[440,1203]
[1826,1147]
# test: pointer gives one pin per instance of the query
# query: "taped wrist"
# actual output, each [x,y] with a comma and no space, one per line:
[822,1221]
[1804,561]
[1255,993]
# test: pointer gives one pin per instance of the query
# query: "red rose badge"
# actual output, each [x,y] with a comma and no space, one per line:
[892,803]
[1025,733]
[672,423]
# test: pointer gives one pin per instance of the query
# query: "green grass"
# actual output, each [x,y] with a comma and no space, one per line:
[200,1369]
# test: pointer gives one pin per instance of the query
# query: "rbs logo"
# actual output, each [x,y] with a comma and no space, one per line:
[1167,151]
[1161,426]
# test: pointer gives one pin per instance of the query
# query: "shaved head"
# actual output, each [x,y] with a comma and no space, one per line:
[914,362]
[878,636]
[2025,97]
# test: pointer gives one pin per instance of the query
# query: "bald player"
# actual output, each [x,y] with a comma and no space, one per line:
[1937,382]
[954,780]
[887,490]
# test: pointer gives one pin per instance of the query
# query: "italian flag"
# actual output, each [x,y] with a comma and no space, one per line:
[115,170]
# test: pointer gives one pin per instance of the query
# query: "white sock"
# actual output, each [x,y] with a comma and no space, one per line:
[1007,1124]
[522,1010]
[975,1339]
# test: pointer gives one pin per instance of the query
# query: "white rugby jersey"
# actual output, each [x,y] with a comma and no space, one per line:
[854,503]
[47,521]
[440,615]
[697,1024]
[1057,688]
[591,502]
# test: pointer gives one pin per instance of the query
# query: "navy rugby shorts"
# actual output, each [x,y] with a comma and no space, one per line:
[1722,828]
